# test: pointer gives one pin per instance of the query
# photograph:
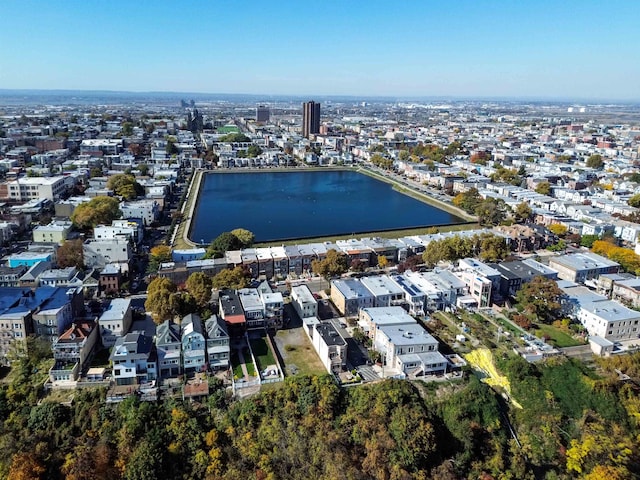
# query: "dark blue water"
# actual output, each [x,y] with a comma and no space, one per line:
[286,205]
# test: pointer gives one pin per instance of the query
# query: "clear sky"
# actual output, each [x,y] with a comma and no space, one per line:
[563,49]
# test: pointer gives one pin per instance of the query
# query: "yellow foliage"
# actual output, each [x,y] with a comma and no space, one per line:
[482,359]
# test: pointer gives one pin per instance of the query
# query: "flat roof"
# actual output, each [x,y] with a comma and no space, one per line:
[330,335]
[352,289]
[381,285]
[407,335]
[583,261]
[389,316]
[116,309]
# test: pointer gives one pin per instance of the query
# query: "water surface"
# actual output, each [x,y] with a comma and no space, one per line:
[287,205]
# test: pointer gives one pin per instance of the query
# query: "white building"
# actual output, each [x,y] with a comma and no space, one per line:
[120,228]
[384,290]
[330,347]
[30,188]
[304,302]
[98,253]
[115,321]
[147,210]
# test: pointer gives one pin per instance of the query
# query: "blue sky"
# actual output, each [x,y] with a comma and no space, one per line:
[561,49]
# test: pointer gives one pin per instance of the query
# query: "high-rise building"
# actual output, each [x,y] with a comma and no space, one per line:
[310,118]
[262,114]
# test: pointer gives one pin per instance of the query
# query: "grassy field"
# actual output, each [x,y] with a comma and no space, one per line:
[262,353]
[298,353]
[557,337]
[384,234]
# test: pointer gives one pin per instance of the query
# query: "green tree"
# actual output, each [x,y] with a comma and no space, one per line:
[493,248]
[127,129]
[491,211]
[332,265]
[171,148]
[468,201]
[595,161]
[245,237]
[98,210]
[541,297]
[222,243]
[522,213]
[235,279]
[234,138]
[144,169]
[158,254]
[199,287]
[588,240]
[70,254]
[125,186]
[253,151]
[634,201]
[544,188]
[95,172]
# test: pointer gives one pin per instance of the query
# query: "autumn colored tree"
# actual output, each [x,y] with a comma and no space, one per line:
[544,188]
[558,229]
[468,201]
[70,254]
[522,213]
[26,466]
[98,210]
[162,300]
[235,278]
[245,237]
[199,287]
[383,261]
[333,265]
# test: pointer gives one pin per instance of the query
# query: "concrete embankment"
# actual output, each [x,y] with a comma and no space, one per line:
[181,236]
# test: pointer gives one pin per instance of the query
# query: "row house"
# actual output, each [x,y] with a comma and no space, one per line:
[410,350]
[10,276]
[330,346]
[194,357]
[583,266]
[600,316]
[133,359]
[115,321]
[303,301]
[72,350]
[349,296]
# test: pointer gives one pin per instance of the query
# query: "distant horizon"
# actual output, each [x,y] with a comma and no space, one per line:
[284,96]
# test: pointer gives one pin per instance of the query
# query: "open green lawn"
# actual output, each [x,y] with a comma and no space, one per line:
[262,353]
[558,337]
[296,351]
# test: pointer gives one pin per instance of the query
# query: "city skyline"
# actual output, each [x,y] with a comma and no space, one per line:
[572,50]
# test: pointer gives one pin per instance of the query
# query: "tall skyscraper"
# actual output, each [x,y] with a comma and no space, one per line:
[310,118]
[262,114]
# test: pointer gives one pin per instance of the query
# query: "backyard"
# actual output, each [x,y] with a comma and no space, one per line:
[262,353]
[297,353]
[556,336]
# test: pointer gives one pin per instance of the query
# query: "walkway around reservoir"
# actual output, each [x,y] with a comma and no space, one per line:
[180,237]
